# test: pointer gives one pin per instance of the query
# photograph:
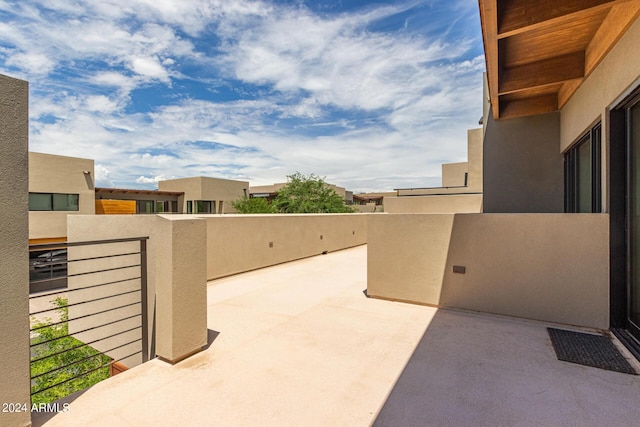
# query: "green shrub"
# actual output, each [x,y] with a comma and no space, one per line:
[86,363]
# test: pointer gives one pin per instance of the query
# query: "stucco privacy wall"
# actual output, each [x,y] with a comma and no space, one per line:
[523,171]
[238,243]
[49,173]
[453,203]
[551,267]
[14,252]
[176,273]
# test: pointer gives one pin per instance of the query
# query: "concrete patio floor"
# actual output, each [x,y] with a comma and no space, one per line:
[300,344]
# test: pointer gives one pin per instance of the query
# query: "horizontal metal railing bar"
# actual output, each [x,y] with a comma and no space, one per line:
[52,266]
[86,330]
[103,270]
[84,359]
[84,373]
[65,291]
[103,257]
[86,315]
[39,246]
[82,274]
[48,266]
[85,344]
[85,302]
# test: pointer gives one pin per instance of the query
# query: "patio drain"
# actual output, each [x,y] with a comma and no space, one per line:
[588,349]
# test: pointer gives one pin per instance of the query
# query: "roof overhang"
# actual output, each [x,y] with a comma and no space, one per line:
[538,52]
[100,190]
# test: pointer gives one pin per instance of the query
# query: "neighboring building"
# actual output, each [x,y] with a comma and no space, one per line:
[461,191]
[61,186]
[111,201]
[58,186]
[206,195]
[371,202]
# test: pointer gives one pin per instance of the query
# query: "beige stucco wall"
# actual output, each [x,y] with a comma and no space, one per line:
[241,242]
[14,280]
[453,174]
[205,188]
[49,173]
[551,267]
[453,203]
[176,273]
[616,76]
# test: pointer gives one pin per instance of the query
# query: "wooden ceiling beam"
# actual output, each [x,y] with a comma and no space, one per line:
[518,16]
[489,21]
[542,73]
[617,21]
[528,106]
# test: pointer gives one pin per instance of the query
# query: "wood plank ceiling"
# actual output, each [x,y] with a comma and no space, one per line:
[538,52]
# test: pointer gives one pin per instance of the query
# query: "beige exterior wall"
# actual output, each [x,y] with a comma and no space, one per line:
[616,75]
[453,174]
[241,243]
[176,256]
[49,173]
[436,204]
[205,188]
[14,280]
[614,78]
[550,267]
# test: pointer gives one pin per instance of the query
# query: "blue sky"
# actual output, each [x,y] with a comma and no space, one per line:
[371,95]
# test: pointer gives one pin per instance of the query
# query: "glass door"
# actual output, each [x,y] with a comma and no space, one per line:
[633,218]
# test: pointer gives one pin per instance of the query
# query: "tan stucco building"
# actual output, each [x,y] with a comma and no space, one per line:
[206,195]
[58,186]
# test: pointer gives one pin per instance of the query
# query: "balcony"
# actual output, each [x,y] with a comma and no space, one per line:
[301,344]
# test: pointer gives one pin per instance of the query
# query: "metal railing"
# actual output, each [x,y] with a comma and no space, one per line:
[88,313]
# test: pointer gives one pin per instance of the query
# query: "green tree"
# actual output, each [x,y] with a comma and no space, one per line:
[253,205]
[75,365]
[308,194]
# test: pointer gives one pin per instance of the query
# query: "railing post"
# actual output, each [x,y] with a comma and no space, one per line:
[143,296]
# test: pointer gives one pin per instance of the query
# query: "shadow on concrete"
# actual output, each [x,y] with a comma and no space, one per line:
[366,294]
[39,418]
[473,369]
[211,337]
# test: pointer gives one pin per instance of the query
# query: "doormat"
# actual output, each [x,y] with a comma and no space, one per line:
[588,349]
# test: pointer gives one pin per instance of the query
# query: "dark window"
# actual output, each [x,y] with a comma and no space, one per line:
[582,178]
[53,202]
[204,206]
[189,206]
[145,206]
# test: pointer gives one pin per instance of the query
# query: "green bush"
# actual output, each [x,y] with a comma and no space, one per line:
[86,363]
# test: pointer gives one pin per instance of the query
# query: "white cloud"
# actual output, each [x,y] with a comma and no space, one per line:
[389,106]
[151,180]
[33,63]
[102,177]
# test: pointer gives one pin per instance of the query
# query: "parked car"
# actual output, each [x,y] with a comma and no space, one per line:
[53,260]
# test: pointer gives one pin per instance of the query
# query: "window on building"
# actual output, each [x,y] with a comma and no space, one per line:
[145,206]
[204,206]
[582,180]
[162,206]
[53,202]
[189,206]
